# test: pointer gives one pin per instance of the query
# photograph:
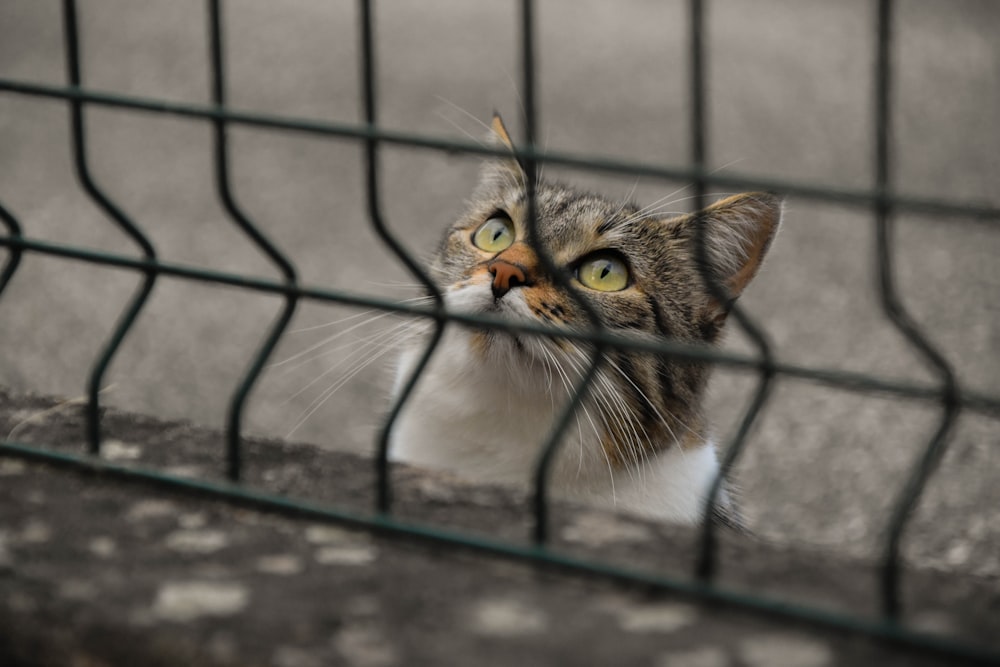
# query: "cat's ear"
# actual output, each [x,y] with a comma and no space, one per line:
[500,135]
[502,169]
[737,233]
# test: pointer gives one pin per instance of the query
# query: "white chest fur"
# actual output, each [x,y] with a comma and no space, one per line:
[488,422]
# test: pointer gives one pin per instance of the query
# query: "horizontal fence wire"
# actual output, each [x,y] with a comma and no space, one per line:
[884,205]
[866,198]
[977,402]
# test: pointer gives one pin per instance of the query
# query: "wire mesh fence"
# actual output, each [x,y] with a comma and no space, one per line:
[945,395]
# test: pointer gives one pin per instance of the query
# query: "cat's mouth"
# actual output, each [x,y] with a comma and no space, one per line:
[478,300]
[502,309]
[503,344]
[490,342]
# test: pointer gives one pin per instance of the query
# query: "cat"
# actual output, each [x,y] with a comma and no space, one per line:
[487,400]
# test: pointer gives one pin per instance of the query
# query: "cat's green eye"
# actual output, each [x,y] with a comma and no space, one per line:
[494,235]
[603,272]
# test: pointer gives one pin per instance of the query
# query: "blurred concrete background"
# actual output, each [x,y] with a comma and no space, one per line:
[790,87]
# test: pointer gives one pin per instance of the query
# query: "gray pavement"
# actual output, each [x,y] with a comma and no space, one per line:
[790,98]
[119,572]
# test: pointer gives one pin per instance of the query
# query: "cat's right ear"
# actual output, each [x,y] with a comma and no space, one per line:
[500,133]
[502,169]
[737,233]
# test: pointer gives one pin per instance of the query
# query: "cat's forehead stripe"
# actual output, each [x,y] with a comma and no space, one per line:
[586,212]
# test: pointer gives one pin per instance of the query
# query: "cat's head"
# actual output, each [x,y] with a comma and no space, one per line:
[638,270]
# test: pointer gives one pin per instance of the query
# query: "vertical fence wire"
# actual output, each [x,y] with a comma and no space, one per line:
[706,560]
[383,501]
[550,446]
[135,305]
[265,245]
[896,313]
[13,252]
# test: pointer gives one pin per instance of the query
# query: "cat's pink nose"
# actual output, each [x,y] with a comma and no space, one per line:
[506,276]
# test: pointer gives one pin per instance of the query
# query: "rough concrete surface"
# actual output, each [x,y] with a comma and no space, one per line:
[97,570]
[789,94]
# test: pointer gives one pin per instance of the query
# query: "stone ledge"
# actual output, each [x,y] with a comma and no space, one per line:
[98,571]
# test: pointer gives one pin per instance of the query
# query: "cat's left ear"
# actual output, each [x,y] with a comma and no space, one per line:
[502,168]
[737,233]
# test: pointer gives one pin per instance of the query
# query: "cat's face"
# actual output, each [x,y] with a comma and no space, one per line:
[638,272]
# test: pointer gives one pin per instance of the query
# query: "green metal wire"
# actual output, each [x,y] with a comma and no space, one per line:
[880,200]
[384,480]
[550,446]
[242,393]
[131,312]
[864,198]
[706,561]
[920,473]
[978,402]
[14,253]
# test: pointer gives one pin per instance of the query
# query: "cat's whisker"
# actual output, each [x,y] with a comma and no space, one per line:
[333,323]
[611,412]
[547,366]
[645,212]
[568,386]
[386,339]
[379,314]
[633,440]
[542,164]
[351,343]
[517,92]
[554,363]
[626,418]
[631,192]
[357,345]
[714,171]
[326,341]
[461,129]
[626,200]
[330,391]
[638,445]
[662,202]
[466,113]
[642,395]
[396,284]
[579,444]
[725,166]
[660,210]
